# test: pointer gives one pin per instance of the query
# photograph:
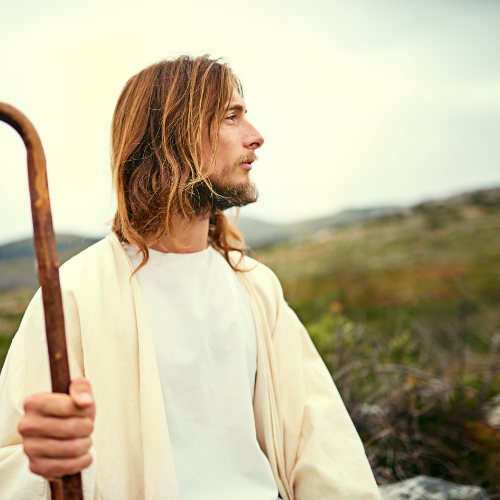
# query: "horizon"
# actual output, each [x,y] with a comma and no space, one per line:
[360,103]
[107,230]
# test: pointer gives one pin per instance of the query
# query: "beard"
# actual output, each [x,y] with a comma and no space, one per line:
[223,196]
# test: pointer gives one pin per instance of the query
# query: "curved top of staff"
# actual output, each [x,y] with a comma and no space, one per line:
[19,121]
[48,269]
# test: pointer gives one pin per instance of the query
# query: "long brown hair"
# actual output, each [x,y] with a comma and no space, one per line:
[156,150]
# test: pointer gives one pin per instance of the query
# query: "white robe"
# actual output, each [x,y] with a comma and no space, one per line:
[302,424]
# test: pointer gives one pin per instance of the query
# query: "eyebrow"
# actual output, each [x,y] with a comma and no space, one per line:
[237,107]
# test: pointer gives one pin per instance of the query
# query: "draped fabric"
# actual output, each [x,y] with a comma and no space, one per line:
[302,424]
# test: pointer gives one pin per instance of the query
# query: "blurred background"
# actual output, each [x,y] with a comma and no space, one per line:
[379,188]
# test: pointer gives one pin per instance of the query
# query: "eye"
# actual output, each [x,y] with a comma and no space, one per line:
[231,117]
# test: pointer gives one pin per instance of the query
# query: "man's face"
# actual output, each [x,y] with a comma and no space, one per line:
[238,140]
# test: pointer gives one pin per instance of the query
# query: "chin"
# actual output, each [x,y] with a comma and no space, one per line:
[243,182]
[242,179]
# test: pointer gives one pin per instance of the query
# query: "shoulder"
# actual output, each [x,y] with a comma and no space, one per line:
[99,262]
[92,254]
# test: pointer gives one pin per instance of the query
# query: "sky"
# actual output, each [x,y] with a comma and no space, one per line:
[361,103]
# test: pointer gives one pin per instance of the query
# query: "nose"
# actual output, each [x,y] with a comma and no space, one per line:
[254,139]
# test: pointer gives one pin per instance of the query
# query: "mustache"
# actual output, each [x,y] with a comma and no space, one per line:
[246,158]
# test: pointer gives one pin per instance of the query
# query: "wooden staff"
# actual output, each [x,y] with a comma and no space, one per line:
[70,488]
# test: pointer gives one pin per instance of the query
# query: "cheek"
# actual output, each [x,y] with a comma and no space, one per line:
[224,158]
[229,142]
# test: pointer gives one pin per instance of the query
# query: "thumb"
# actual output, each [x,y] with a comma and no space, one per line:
[81,394]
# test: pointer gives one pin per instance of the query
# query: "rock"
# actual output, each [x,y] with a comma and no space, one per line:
[436,388]
[366,410]
[428,488]
[369,419]
[492,411]
[493,416]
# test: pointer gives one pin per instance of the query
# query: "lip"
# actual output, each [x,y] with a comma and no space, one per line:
[247,165]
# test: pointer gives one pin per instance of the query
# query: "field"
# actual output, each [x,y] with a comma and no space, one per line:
[405,311]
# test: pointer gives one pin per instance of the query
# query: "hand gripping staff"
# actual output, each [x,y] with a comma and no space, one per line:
[48,269]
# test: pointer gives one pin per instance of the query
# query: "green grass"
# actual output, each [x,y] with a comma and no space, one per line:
[389,270]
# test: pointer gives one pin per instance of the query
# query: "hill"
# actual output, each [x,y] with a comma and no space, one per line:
[434,253]
[405,312]
[259,234]
[17,260]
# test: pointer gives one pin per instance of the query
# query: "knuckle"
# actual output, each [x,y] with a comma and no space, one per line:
[26,426]
[83,462]
[61,467]
[30,403]
[65,404]
[69,448]
[73,427]
[74,468]
[89,426]
[78,447]
[87,460]
[59,406]
[58,470]
[39,467]
[73,448]
[83,427]
[21,427]
[74,465]
[84,445]
[87,443]
[34,467]
[30,448]
[70,409]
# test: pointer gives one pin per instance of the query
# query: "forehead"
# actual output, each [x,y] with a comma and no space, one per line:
[237,102]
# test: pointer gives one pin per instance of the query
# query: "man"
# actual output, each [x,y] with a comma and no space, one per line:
[192,378]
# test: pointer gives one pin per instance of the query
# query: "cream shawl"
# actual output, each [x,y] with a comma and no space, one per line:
[302,425]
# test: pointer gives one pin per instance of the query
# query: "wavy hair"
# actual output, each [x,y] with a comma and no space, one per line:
[156,150]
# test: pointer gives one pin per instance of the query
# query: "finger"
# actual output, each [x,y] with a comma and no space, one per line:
[59,428]
[58,467]
[81,392]
[57,448]
[53,404]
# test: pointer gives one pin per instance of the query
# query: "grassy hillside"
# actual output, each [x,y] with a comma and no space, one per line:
[259,234]
[17,260]
[393,269]
[405,312]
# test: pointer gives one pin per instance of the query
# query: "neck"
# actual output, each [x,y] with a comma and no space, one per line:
[192,239]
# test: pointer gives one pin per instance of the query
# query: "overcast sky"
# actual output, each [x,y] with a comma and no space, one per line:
[361,102]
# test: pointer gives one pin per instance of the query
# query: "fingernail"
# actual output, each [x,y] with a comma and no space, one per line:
[85,397]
